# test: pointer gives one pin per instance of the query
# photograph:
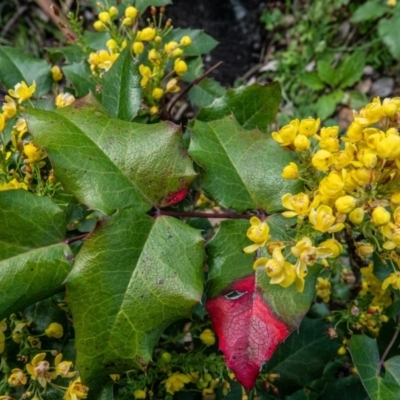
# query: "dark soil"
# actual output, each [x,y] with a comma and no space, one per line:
[235,24]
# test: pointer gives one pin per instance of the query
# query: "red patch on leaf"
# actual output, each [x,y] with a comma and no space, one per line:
[176,197]
[247,329]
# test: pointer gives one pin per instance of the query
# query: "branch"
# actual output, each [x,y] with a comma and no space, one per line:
[195,82]
[76,238]
[389,346]
[193,214]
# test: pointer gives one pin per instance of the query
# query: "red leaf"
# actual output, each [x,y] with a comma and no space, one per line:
[247,329]
[176,197]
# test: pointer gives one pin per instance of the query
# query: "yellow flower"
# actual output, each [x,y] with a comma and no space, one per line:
[55,330]
[180,67]
[286,135]
[393,279]
[13,184]
[22,92]
[277,268]
[2,122]
[170,47]
[389,147]
[56,73]
[323,220]
[345,204]
[299,205]
[9,107]
[322,160]
[99,26]
[176,382]
[105,17]
[380,216]
[172,86]
[111,44]
[207,337]
[323,289]
[113,11]
[154,57]
[17,378]
[357,216]
[257,233]
[146,74]
[334,246]
[76,390]
[64,99]
[290,171]
[157,93]
[364,249]
[153,110]
[331,187]
[138,47]
[309,126]
[62,368]
[391,3]
[390,107]
[147,34]
[185,41]
[139,394]
[131,12]
[307,255]
[38,368]
[354,133]
[33,154]
[370,114]
[127,22]
[301,143]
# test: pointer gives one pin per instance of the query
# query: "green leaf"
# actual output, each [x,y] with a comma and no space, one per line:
[327,103]
[28,222]
[205,92]
[226,260]
[16,66]
[73,53]
[370,10]
[141,274]
[201,42]
[388,31]
[80,77]
[311,80]
[303,356]
[365,354]
[351,69]
[108,163]
[235,163]
[392,371]
[253,106]
[141,5]
[121,88]
[346,388]
[327,74]
[32,276]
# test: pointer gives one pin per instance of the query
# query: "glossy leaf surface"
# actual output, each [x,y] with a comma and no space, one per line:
[140,275]
[122,164]
[242,169]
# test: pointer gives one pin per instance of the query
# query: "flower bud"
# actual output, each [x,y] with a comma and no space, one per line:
[180,67]
[185,41]
[127,21]
[99,26]
[113,11]
[147,34]
[157,93]
[357,216]
[364,249]
[309,126]
[345,204]
[56,73]
[380,216]
[104,17]
[302,143]
[138,47]
[131,12]
[290,171]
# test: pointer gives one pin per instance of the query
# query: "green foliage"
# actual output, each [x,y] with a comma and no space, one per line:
[325,47]
[107,254]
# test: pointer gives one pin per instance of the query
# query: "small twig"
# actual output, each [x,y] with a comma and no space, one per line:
[76,238]
[195,82]
[389,346]
[193,214]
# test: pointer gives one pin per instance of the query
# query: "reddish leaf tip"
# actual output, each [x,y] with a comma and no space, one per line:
[247,329]
[176,197]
